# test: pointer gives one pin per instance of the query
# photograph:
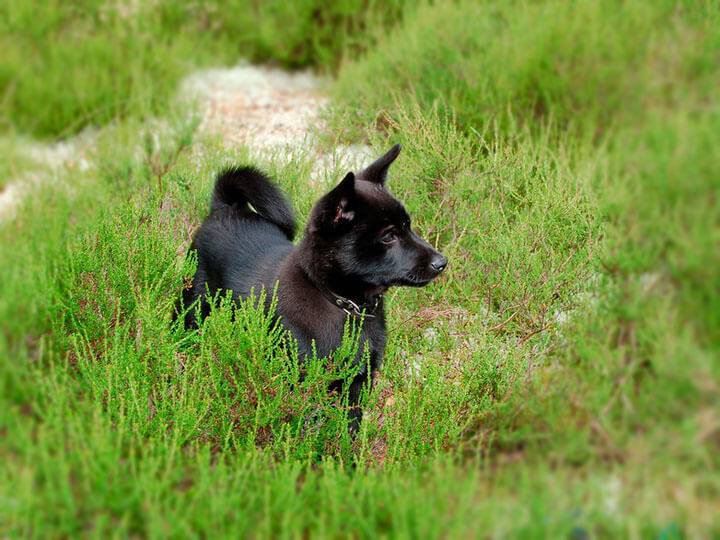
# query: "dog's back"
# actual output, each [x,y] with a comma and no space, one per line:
[243,241]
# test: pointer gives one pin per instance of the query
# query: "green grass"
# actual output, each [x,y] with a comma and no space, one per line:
[560,380]
[586,66]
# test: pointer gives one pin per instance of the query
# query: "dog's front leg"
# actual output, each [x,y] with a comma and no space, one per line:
[355,411]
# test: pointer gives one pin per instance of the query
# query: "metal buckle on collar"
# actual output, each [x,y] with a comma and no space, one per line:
[352,308]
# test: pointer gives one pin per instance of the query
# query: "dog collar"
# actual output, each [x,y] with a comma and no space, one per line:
[353,308]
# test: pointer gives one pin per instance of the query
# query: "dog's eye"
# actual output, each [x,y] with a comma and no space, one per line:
[388,238]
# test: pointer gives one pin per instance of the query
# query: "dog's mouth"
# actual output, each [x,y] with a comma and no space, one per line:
[417,281]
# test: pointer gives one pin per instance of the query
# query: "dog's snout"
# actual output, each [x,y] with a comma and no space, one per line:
[438,262]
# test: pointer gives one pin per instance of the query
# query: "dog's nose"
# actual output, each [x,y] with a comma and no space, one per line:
[438,263]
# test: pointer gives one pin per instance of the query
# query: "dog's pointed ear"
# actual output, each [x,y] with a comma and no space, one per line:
[343,196]
[346,185]
[377,171]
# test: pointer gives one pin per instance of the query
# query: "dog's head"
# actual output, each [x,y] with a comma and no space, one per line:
[363,233]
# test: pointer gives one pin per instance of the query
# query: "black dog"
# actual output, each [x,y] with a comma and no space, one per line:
[357,244]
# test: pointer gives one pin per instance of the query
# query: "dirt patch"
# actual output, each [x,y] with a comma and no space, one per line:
[263,108]
[273,112]
[46,161]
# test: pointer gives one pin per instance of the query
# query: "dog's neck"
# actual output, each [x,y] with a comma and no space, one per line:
[351,307]
[351,296]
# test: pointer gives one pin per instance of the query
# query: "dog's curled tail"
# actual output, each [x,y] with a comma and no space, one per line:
[240,186]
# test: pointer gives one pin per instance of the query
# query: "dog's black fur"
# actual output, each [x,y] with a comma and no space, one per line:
[357,244]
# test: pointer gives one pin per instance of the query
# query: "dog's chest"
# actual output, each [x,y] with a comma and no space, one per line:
[371,340]
[373,335]
[320,328]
